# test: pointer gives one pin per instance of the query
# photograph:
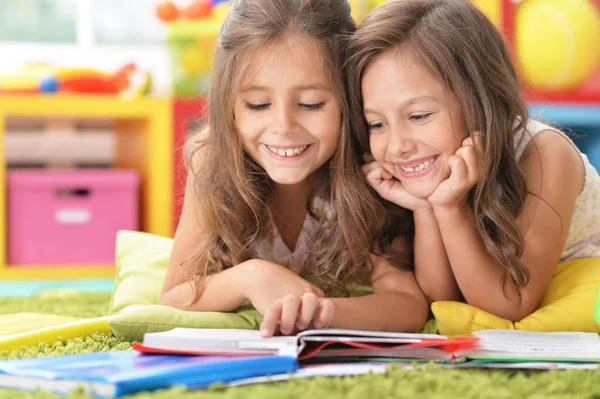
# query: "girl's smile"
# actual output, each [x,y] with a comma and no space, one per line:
[416,168]
[287,154]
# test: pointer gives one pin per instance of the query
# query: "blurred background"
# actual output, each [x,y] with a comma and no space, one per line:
[98,96]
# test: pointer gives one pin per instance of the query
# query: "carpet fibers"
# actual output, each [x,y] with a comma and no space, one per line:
[431,382]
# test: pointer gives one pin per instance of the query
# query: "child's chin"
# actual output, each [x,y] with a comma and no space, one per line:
[287,179]
[421,191]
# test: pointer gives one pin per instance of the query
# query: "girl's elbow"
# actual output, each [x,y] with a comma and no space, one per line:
[420,314]
[166,299]
[511,311]
[163,299]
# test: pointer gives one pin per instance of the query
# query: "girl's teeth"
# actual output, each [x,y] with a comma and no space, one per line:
[287,152]
[419,168]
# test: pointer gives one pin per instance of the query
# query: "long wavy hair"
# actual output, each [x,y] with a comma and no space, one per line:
[233,191]
[468,55]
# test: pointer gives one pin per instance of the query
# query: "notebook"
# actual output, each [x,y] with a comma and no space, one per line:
[350,345]
[114,374]
[31,329]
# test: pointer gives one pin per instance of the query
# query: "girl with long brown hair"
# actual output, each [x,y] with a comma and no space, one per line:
[276,209]
[497,199]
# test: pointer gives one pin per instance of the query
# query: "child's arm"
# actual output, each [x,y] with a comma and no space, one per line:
[222,291]
[259,281]
[432,267]
[555,177]
[397,304]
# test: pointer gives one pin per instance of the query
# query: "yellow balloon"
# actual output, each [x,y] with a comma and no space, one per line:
[557,42]
[491,8]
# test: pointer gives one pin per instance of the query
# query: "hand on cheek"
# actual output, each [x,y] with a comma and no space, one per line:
[392,189]
[293,313]
[465,171]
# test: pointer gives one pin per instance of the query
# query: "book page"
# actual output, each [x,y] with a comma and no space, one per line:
[528,344]
[407,337]
[207,340]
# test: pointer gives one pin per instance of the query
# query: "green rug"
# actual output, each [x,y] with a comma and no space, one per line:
[431,382]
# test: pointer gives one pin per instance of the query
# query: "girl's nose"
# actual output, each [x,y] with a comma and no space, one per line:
[283,122]
[400,143]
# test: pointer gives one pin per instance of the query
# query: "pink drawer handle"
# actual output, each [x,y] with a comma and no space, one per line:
[72,216]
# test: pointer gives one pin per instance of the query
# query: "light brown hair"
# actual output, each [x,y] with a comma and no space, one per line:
[233,190]
[468,55]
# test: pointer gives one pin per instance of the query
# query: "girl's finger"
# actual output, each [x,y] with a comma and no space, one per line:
[469,155]
[458,175]
[271,319]
[324,314]
[377,175]
[309,305]
[289,314]
[374,177]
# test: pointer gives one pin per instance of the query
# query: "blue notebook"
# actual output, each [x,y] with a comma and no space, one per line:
[114,374]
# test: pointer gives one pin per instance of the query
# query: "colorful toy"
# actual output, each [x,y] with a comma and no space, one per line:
[197,10]
[167,11]
[555,41]
[43,78]
[192,35]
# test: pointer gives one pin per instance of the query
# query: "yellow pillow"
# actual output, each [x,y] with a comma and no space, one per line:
[568,305]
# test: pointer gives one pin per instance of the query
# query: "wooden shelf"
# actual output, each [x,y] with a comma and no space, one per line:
[54,272]
[144,143]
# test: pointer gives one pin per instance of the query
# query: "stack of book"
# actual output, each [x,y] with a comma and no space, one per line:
[196,358]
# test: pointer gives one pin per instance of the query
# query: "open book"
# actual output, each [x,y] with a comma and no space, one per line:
[309,344]
[350,345]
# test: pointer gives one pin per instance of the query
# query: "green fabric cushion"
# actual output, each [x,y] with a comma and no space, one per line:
[142,261]
[133,322]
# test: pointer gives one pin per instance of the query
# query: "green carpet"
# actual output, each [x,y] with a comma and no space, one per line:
[432,382]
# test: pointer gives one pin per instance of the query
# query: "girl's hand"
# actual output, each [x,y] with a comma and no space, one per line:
[466,171]
[296,313]
[266,282]
[391,189]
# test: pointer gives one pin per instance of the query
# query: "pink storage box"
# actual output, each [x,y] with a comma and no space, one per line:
[58,217]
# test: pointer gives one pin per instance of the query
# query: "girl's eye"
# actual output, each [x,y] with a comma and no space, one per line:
[257,107]
[312,107]
[376,126]
[420,117]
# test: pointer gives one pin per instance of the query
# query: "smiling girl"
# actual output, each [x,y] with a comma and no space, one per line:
[498,199]
[276,210]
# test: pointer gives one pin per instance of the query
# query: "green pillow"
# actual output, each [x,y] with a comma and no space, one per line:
[142,260]
[133,322]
